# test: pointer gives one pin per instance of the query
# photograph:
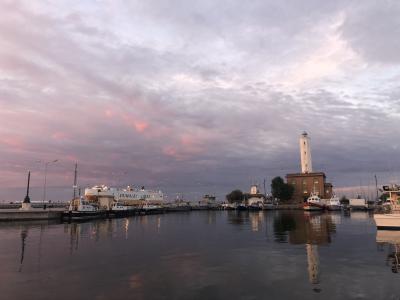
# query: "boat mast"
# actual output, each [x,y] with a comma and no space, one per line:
[75,180]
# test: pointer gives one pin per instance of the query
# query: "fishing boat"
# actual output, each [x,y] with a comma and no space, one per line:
[333,203]
[120,210]
[79,208]
[148,208]
[390,220]
[313,203]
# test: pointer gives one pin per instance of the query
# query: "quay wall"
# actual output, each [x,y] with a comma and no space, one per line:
[290,206]
[19,215]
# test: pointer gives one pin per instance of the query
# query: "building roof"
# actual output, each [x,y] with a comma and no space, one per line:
[312,174]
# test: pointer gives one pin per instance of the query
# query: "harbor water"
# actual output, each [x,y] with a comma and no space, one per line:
[202,255]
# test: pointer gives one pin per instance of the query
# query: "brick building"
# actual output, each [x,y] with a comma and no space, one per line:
[306,183]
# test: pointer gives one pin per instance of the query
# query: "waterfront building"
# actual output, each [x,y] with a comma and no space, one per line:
[308,181]
[255,197]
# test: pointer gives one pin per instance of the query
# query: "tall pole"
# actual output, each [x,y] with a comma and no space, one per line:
[376,187]
[45,176]
[27,199]
[265,191]
[75,180]
[44,185]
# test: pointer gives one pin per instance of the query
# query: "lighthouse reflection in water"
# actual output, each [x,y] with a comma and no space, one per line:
[203,255]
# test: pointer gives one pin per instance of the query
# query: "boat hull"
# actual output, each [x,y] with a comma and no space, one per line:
[241,207]
[178,208]
[387,221]
[333,207]
[82,215]
[251,207]
[312,207]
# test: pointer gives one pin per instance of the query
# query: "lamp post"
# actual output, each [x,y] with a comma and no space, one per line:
[46,163]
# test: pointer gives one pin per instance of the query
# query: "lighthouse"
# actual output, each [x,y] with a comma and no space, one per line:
[305,153]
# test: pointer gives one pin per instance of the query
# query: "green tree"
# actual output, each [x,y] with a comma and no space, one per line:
[344,200]
[281,190]
[235,196]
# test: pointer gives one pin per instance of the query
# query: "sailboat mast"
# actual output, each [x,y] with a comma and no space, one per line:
[75,180]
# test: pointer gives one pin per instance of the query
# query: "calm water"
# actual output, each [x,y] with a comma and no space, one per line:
[202,255]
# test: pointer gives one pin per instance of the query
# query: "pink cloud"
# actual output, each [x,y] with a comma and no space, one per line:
[13,141]
[60,136]
[139,125]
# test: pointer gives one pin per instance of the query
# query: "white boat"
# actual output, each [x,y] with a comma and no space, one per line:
[129,196]
[313,203]
[80,209]
[390,220]
[119,207]
[333,203]
[81,205]
[151,208]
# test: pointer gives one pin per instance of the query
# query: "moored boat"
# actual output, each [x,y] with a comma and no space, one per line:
[333,203]
[152,209]
[79,209]
[313,203]
[390,220]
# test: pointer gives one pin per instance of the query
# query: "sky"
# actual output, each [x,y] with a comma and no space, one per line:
[197,97]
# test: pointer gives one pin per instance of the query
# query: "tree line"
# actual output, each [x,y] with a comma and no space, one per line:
[279,190]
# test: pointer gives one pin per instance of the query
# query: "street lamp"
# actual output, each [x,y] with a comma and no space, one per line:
[46,163]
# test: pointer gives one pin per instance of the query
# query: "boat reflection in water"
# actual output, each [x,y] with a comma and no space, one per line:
[391,239]
[252,218]
[311,229]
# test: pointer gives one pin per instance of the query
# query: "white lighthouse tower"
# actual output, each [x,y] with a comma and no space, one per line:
[305,153]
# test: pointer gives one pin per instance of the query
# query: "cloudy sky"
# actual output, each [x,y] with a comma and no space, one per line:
[197,97]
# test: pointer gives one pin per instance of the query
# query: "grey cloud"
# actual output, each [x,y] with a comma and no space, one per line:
[372,28]
[229,127]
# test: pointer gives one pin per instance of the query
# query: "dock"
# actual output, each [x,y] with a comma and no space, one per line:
[12,214]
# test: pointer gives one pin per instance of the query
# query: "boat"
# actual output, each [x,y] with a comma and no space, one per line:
[313,203]
[390,220]
[120,210]
[148,208]
[255,206]
[333,203]
[269,204]
[241,206]
[80,209]
[228,206]
[105,196]
[178,205]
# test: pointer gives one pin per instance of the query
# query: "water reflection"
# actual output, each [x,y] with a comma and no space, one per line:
[391,239]
[202,255]
[309,228]
[24,234]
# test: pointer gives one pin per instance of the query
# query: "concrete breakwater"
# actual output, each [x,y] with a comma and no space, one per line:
[29,215]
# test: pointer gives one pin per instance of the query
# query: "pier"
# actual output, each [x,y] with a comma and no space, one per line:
[30,215]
